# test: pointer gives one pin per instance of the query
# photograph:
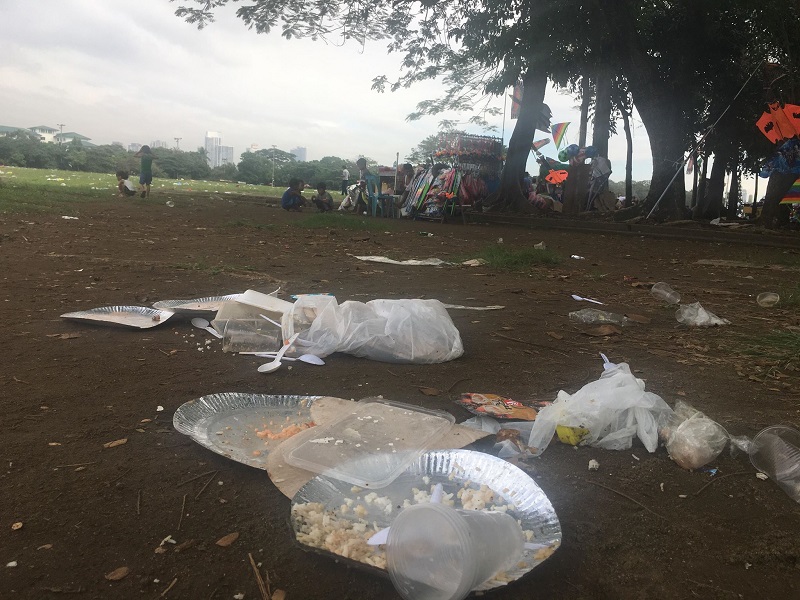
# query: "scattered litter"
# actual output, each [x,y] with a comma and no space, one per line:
[227,540]
[45,547]
[540,246]
[691,438]
[638,318]
[115,443]
[12,564]
[604,330]
[662,291]
[582,299]
[500,240]
[696,315]
[762,476]
[775,451]
[592,316]
[491,307]
[16,526]
[496,406]
[238,596]
[576,257]
[594,465]
[425,262]
[325,440]
[170,203]
[474,262]
[69,218]
[159,408]
[682,496]
[661,485]
[768,299]
[635,457]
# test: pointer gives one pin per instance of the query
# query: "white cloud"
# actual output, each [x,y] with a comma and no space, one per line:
[131,71]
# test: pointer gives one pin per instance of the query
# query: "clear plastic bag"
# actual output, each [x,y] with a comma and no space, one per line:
[610,412]
[591,316]
[395,331]
[691,438]
[695,315]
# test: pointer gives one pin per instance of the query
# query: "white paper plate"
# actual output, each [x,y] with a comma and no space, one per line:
[197,305]
[140,317]
[228,423]
[454,469]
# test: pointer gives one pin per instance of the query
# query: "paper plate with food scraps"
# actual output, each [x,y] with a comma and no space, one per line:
[244,427]
[337,518]
[198,306]
[140,317]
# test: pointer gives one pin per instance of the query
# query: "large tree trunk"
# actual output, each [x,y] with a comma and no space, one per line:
[626,125]
[695,180]
[777,187]
[601,126]
[519,146]
[586,100]
[709,206]
[703,183]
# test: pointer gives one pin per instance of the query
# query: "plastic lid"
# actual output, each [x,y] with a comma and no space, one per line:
[372,444]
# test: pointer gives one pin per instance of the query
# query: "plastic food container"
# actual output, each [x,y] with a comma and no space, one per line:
[768,299]
[776,452]
[663,291]
[373,444]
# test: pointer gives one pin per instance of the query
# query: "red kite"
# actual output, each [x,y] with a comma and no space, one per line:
[780,123]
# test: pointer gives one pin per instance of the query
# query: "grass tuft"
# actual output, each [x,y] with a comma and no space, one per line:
[341,221]
[505,258]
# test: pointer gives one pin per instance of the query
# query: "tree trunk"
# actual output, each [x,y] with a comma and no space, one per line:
[601,126]
[694,180]
[703,183]
[733,193]
[777,187]
[519,146]
[586,100]
[626,124]
[709,206]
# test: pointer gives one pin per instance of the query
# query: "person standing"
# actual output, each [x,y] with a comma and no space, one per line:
[146,170]
[345,179]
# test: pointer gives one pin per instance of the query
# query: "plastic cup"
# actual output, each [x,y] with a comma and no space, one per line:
[768,299]
[435,552]
[664,292]
[776,452]
[246,335]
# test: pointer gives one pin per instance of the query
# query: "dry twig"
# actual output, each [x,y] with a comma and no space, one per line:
[697,493]
[203,489]
[183,510]
[139,502]
[508,337]
[262,587]
[195,478]
[75,465]
[626,497]
[169,587]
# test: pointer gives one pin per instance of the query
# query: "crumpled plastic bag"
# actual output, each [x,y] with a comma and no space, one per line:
[691,438]
[694,314]
[611,411]
[395,331]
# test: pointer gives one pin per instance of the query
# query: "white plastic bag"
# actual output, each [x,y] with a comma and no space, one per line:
[692,439]
[396,331]
[614,409]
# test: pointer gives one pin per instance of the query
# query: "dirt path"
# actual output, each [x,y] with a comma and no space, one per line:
[64,396]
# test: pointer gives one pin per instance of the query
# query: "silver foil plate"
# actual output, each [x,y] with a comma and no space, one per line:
[196,305]
[454,469]
[140,317]
[229,423]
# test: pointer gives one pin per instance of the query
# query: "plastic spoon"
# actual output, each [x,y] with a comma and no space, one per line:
[270,320]
[276,362]
[203,324]
[311,359]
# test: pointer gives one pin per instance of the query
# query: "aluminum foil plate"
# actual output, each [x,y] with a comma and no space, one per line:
[196,306]
[345,508]
[140,317]
[244,427]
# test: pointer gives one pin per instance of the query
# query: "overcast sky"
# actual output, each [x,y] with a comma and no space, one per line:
[130,71]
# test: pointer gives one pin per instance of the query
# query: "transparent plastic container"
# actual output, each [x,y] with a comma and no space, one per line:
[250,335]
[776,452]
[664,292]
[591,316]
[435,552]
[372,444]
[768,299]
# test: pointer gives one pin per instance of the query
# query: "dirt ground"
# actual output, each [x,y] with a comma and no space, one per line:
[639,527]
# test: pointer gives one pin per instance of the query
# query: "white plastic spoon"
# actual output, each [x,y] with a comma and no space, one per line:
[278,325]
[203,324]
[276,362]
[310,359]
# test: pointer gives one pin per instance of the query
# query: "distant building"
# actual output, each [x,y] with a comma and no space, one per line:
[158,144]
[46,134]
[6,130]
[134,147]
[299,153]
[217,154]
[252,148]
[71,136]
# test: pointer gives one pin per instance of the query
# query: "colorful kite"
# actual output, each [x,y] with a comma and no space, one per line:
[559,130]
[516,100]
[780,122]
[540,144]
[793,195]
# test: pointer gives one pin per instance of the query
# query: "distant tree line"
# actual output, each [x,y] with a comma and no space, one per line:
[23,149]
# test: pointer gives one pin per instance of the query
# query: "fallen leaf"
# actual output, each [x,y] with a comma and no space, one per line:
[228,539]
[639,318]
[555,336]
[45,547]
[17,525]
[278,595]
[604,330]
[115,443]
[185,545]
[118,574]
[69,336]
[160,550]
[140,430]
[430,391]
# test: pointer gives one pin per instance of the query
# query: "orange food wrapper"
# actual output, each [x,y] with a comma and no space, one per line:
[497,407]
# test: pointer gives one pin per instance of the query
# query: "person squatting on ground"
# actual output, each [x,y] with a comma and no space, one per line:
[125,185]
[292,198]
[146,170]
[322,199]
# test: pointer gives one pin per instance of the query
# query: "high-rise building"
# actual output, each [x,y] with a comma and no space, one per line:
[299,153]
[158,144]
[134,147]
[216,153]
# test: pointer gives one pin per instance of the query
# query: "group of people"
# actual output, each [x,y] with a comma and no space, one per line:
[124,184]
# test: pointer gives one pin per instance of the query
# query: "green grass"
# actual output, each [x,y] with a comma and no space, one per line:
[342,221]
[790,297]
[249,223]
[776,346]
[505,258]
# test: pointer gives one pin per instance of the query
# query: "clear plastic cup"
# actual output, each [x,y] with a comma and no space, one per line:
[250,335]
[768,299]
[435,552]
[663,291]
[776,452]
